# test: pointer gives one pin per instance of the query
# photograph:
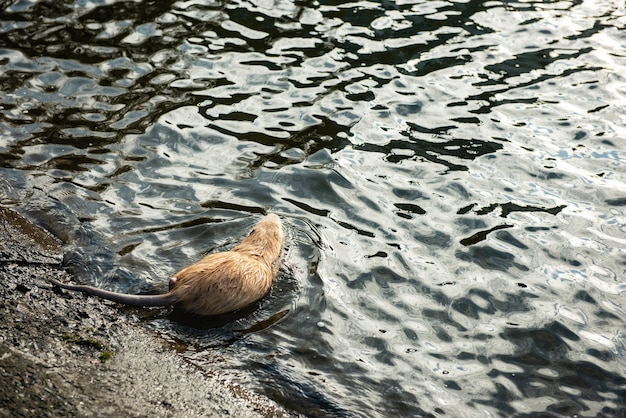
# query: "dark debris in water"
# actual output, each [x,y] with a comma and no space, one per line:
[509,207]
[482,235]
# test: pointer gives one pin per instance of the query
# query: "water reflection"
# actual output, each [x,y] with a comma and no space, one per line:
[449,174]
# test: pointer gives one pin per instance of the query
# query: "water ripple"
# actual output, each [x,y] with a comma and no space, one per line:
[449,174]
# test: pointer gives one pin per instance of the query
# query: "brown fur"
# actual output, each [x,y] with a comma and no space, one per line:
[220,282]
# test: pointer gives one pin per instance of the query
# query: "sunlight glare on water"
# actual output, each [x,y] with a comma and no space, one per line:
[450,175]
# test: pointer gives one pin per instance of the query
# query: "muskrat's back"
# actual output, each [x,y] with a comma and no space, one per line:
[225,282]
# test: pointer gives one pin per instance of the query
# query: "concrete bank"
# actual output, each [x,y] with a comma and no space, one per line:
[69,355]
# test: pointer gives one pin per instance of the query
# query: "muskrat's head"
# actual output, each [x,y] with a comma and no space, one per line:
[265,240]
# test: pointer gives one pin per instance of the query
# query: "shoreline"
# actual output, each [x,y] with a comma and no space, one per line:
[66,354]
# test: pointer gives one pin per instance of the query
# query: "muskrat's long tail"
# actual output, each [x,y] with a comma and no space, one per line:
[164,299]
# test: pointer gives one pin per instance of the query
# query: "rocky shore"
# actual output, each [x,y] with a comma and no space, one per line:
[66,354]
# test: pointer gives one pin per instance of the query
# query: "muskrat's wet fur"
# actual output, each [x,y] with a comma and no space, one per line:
[219,283]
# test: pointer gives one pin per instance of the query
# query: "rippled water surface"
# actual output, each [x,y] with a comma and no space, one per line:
[451,176]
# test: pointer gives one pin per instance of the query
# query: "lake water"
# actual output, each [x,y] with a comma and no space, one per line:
[451,176]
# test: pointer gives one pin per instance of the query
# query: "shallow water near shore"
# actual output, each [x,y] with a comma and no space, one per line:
[451,177]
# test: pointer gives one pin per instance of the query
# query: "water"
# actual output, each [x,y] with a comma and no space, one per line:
[451,176]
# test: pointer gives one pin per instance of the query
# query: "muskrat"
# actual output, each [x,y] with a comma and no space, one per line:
[220,282]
